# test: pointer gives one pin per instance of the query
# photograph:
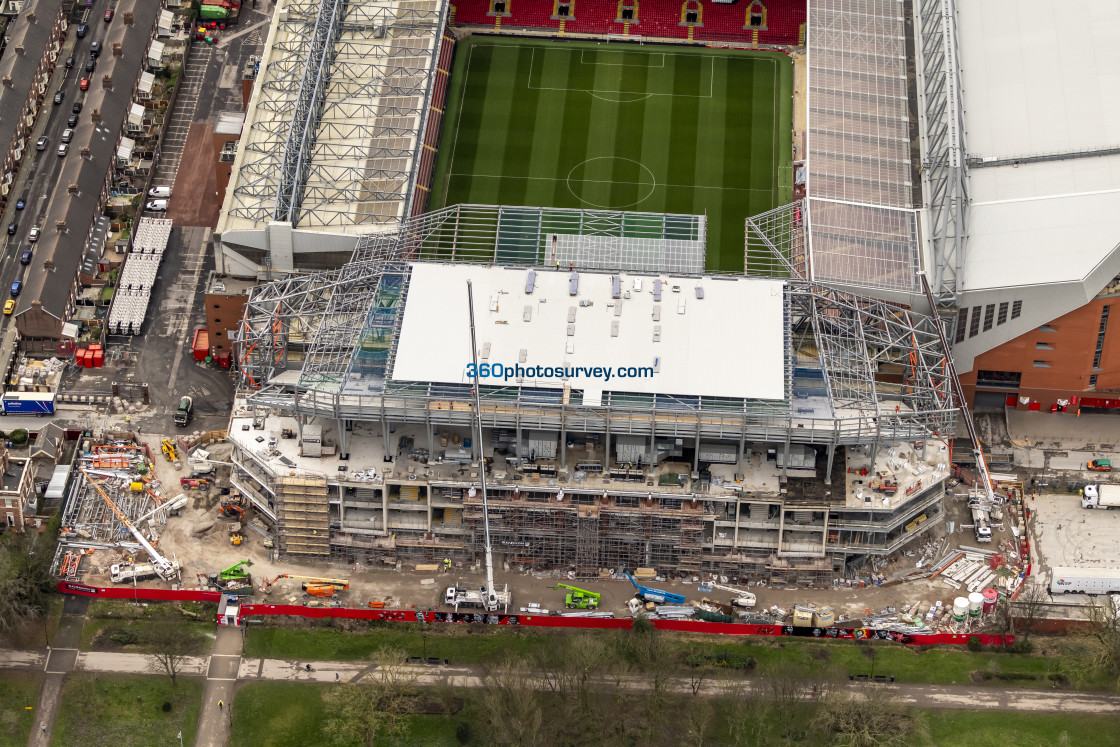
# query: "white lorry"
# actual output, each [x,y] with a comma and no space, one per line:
[126,573]
[458,596]
[1084,580]
[982,524]
[1100,496]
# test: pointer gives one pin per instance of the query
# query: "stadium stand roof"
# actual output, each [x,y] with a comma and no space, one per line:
[597,319]
[1043,123]
[863,226]
[333,125]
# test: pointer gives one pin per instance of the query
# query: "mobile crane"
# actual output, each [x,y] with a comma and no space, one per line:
[163,567]
[655,595]
[742,598]
[579,598]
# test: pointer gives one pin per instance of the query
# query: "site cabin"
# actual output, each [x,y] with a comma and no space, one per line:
[1100,496]
[29,403]
[1084,580]
[1100,465]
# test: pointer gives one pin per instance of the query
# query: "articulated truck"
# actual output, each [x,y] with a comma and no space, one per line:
[1100,496]
[127,573]
[1084,580]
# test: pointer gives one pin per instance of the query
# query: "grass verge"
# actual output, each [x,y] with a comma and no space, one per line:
[17,691]
[127,709]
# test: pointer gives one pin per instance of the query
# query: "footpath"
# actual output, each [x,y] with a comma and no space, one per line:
[225,667]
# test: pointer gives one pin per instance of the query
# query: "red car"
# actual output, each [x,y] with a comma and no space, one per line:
[84,85]
[108,15]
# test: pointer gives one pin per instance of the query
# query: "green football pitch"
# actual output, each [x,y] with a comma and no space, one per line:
[619,127]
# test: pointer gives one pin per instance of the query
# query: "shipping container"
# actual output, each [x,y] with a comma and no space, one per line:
[1084,580]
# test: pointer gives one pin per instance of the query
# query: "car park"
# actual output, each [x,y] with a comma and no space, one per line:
[95,49]
[72,121]
[9,307]
[25,258]
[63,149]
[58,98]
[21,203]
[33,234]
[157,206]
[159,192]
[67,135]
[83,29]
[77,107]
[17,286]
[84,85]
[42,143]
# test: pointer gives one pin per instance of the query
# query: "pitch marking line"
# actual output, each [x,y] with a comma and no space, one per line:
[583,61]
[608,181]
[645,94]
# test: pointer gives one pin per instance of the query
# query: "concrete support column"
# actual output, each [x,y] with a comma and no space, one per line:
[343,440]
[828,470]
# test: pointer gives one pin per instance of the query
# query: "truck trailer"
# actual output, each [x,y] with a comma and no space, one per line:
[982,524]
[29,403]
[126,573]
[1084,580]
[1100,496]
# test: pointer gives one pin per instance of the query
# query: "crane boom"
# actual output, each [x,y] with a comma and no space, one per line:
[958,390]
[164,567]
[491,601]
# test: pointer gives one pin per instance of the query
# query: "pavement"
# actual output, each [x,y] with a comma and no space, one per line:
[57,662]
[224,668]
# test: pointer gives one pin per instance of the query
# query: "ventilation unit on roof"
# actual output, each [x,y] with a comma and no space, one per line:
[637,285]
[657,313]
[531,281]
[614,329]
[616,286]
[522,355]
[657,289]
[657,333]
[699,292]
[680,307]
[657,364]
[573,284]
[528,315]
[571,314]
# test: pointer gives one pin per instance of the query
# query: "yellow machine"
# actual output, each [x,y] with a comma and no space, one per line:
[169,450]
[335,584]
[236,539]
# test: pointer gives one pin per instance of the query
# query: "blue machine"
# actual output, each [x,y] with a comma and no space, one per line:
[655,595]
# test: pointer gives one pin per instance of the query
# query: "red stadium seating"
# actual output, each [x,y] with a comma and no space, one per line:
[720,22]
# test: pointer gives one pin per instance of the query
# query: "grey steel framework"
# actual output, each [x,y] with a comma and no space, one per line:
[341,105]
[775,243]
[847,341]
[944,163]
[863,227]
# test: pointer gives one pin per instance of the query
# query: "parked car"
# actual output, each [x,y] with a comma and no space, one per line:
[67,135]
[77,107]
[9,307]
[157,206]
[12,228]
[72,121]
[58,98]
[108,15]
[17,286]
[42,143]
[25,258]
[84,85]
[83,29]
[63,150]
[33,235]
[91,63]
[21,203]
[70,62]
[95,49]
[159,192]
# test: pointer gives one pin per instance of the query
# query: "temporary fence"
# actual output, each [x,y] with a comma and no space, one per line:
[539,621]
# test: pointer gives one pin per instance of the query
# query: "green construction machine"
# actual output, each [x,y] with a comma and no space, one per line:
[236,571]
[580,599]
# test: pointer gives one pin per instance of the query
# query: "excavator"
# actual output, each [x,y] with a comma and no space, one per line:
[579,598]
[231,509]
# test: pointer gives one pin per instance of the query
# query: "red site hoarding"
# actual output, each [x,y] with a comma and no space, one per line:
[538,621]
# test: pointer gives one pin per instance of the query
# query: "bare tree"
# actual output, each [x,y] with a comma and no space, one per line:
[791,692]
[25,582]
[377,707]
[1104,627]
[867,716]
[745,714]
[1028,606]
[699,718]
[511,704]
[172,641]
